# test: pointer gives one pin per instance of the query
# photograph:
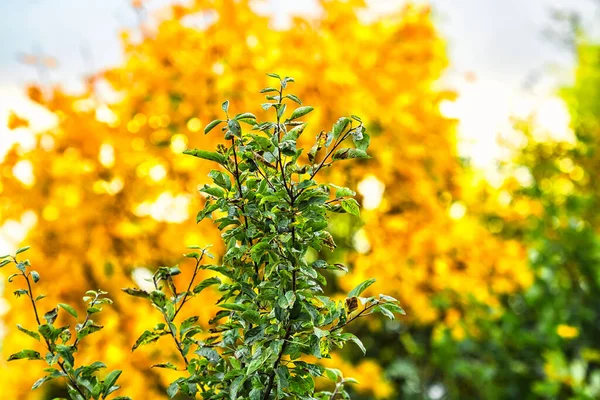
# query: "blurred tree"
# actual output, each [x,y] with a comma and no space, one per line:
[112,195]
[547,342]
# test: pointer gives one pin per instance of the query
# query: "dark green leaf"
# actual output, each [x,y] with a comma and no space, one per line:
[90,327]
[137,293]
[26,355]
[206,155]
[340,126]
[40,382]
[51,315]
[110,380]
[165,365]
[146,338]
[211,126]
[206,283]
[172,390]
[34,335]
[68,309]
[348,153]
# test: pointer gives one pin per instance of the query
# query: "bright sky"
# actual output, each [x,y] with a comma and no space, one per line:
[500,43]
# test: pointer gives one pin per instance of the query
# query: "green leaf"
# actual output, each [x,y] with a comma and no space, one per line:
[348,153]
[281,110]
[34,335]
[235,387]
[333,374]
[361,288]
[110,380]
[293,98]
[66,352]
[225,105]
[384,311]
[213,191]
[233,306]
[35,276]
[300,112]
[351,337]
[206,283]
[68,309]
[340,126]
[361,142]
[22,250]
[41,381]
[258,359]
[351,206]
[234,127]
[341,191]
[245,115]
[4,262]
[90,327]
[137,293]
[51,315]
[146,338]
[206,155]
[172,390]
[165,365]
[25,355]
[288,300]
[272,75]
[221,179]
[393,307]
[269,89]
[258,250]
[251,316]
[212,125]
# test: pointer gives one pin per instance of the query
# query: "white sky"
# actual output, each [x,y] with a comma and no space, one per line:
[500,41]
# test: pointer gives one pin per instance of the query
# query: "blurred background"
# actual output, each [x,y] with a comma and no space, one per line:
[479,206]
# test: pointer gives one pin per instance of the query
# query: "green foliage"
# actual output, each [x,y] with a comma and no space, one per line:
[62,342]
[271,211]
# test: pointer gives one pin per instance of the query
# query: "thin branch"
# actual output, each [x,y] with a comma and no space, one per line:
[169,322]
[288,333]
[187,292]
[48,344]
[360,314]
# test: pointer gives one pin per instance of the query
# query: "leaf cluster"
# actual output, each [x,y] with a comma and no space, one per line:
[62,343]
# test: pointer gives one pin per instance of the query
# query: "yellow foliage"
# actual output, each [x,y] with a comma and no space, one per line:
[15,121]
[112,192]
[567,331]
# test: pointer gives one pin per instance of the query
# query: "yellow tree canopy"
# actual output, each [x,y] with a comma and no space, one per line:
[112,193]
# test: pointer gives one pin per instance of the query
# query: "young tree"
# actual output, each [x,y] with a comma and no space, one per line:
[271,212]
[62,342]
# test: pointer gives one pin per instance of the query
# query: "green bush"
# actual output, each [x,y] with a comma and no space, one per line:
[273,311]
